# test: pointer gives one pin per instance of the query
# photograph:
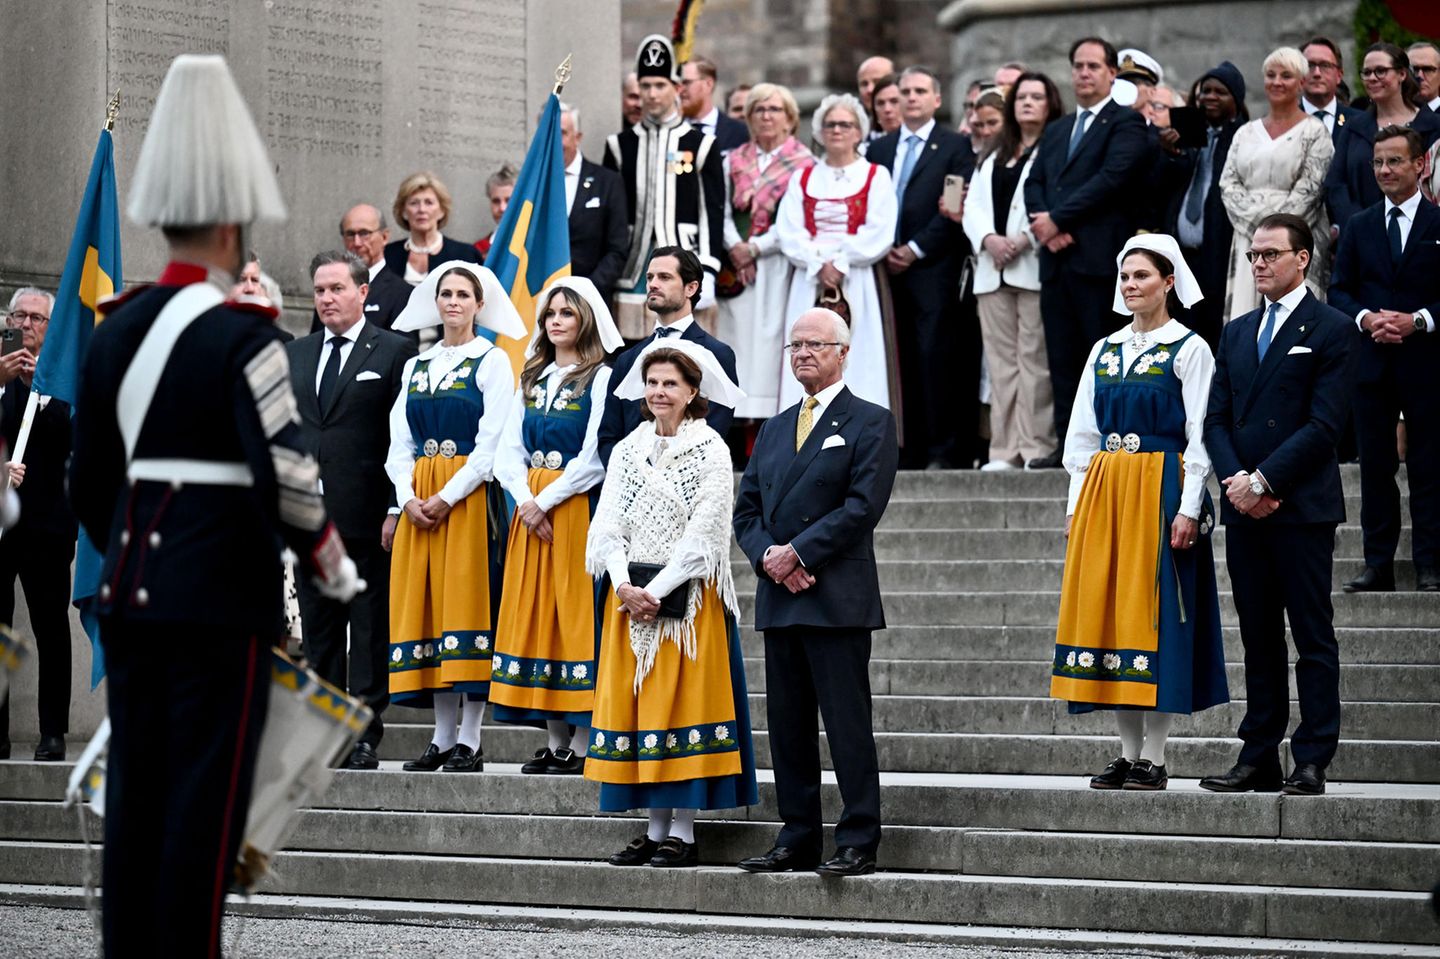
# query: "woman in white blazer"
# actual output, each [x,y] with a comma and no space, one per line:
[1007,279]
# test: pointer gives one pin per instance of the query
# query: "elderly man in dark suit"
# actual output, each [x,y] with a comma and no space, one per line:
[1277,405]
[673,287]
[809,502]
[939,343]
[1080,213]
[365,234]
[599,219]
[1387,277]
[345,381]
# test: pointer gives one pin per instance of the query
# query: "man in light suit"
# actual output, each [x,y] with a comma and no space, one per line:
[1079,196]
[1278,402]
[599,220]
[1387,278]
[345,381]
[816,487]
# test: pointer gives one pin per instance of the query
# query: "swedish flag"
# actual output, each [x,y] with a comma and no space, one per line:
[92,273]
[531,248]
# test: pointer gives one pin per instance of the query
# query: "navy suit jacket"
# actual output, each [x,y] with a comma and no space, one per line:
[599,227]
[825,501]
[1350,185]
[396,255]
[622,416]
[1087,194]
[730,133]
[1364,278]
[1285,415]
[946,152]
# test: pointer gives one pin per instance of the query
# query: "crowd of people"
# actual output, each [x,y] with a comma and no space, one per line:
[557,543]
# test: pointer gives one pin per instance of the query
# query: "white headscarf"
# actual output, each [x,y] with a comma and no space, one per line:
[497,313]
[714,383]
[610,338]
[1186,287]
[849,102]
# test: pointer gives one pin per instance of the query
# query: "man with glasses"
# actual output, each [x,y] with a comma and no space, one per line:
[697,101]
[1278,402]
[38,550]
[1425,64]
[365,234]
[1387,278]
[1319,93]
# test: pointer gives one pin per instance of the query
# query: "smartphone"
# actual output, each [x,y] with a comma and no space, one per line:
[954,195]
[11,339]
[1190,123]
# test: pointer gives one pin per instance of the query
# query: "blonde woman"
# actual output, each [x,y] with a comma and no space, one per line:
[422,207]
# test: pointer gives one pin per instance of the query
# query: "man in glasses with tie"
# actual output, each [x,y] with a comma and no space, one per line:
[1320,93]
[1278,402]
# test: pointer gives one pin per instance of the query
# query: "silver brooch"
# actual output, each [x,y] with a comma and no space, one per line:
[537,459]
[431,447]
[1131,442]
[447,449]
[553,460]
[1112,443]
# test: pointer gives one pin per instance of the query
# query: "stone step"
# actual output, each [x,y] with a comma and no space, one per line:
[1188,907]
[955,484]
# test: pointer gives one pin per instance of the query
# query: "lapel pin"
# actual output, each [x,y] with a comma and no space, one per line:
[834,423]
[934,146]
[1302,329]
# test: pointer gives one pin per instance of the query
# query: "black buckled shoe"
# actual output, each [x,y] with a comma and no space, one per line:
[1243,778]
[675,853]
[1050,461]
[430,760]
[1114,775]
[1145,775]
[1308,779]
[540,764]
[1373,579]
[463,759]
[848,861]
[781,859]
[567,762]
[50,750]
[363,757]
[5,749]
[638,853]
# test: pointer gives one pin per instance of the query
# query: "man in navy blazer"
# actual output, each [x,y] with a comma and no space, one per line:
[939,347]
[673,288]
[811,496]
[1080,213]
[1387,278]
[599,217]
[1278,404]
[1320,93]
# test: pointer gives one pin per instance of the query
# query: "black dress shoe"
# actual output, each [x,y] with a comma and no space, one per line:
[1114,775]
[1145,775]
[363,757]
[781,859]
[1050,461]
[567,762]
[1374,579]
[5,750]
[50,750]
[463,759]
[638,853]
[1242,778]
[848,861]
[675,853]
[430,760]
[540,764]
[1427,579]
[1308,779]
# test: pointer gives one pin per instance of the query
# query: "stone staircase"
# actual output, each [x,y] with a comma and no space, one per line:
[991,831]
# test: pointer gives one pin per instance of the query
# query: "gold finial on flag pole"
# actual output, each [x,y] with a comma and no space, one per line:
[562,73]
[112,110]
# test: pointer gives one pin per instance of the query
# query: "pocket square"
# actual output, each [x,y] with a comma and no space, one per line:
[833,441]
[367,375]
[593,203]
[1299,349]
[372,307]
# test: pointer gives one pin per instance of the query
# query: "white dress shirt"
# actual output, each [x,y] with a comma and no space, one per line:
[1287,303]
[348,339]
[679,326]
[1325,114]
[1407,222]
[572,181]
[708,122]
[376,267]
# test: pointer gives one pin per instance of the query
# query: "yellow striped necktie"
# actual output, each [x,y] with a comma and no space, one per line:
[806,422]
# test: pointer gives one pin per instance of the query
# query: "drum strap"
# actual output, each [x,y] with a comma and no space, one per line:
[137,389]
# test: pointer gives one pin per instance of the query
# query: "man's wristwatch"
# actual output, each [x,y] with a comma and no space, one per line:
[1419,322]
[1256,487]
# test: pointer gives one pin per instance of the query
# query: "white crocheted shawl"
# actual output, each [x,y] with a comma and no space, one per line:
[679,508]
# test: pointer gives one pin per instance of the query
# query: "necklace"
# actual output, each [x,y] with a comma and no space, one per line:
[432,250]
[1140,340]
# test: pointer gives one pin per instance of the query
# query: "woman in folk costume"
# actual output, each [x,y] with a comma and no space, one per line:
[671,729]
[445,569]
[756,176]
[1139,628]
[836,222]
[546,637]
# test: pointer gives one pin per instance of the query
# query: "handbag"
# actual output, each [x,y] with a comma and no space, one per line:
[673,604]
[831,298]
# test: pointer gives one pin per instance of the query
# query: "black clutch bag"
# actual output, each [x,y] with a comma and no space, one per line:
[673,604]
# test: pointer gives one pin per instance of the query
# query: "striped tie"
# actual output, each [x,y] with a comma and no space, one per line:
[806,422]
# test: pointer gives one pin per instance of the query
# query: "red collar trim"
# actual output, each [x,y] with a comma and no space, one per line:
[177,273]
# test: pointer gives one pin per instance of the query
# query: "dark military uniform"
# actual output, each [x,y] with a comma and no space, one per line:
[190,601]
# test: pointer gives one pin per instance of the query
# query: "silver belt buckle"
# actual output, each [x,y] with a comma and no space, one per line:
[447,449]
[1112,443]
[553,460]
[537,459]
[431,447]
[1131,442]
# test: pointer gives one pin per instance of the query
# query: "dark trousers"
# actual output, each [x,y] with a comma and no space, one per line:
[187,704]
[41,562]
[364,671]
[1409,387]
[1207,316]
[1277,571]
[940,381]
[808,668]
[1076,312]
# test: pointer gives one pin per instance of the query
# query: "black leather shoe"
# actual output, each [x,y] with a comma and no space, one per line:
[363,757]
[781,859]
[463,759]
[1114,775]
[567,762]
[430,760]
[676,853]
[1308,779]
[848,861]
[5,750]
[1242,778]
[540,764]
[638,853]
[1427,579]
[1145,775]
[50,750]
[1050,461]
[1374,579]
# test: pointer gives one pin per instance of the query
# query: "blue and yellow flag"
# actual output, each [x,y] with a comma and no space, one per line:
[531,248]
[92,273]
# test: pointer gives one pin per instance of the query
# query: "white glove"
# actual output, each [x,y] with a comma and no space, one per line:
[707,291]
[344,585]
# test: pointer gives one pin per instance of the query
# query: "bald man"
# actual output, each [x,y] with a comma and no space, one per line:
[365,234]
[871,70]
